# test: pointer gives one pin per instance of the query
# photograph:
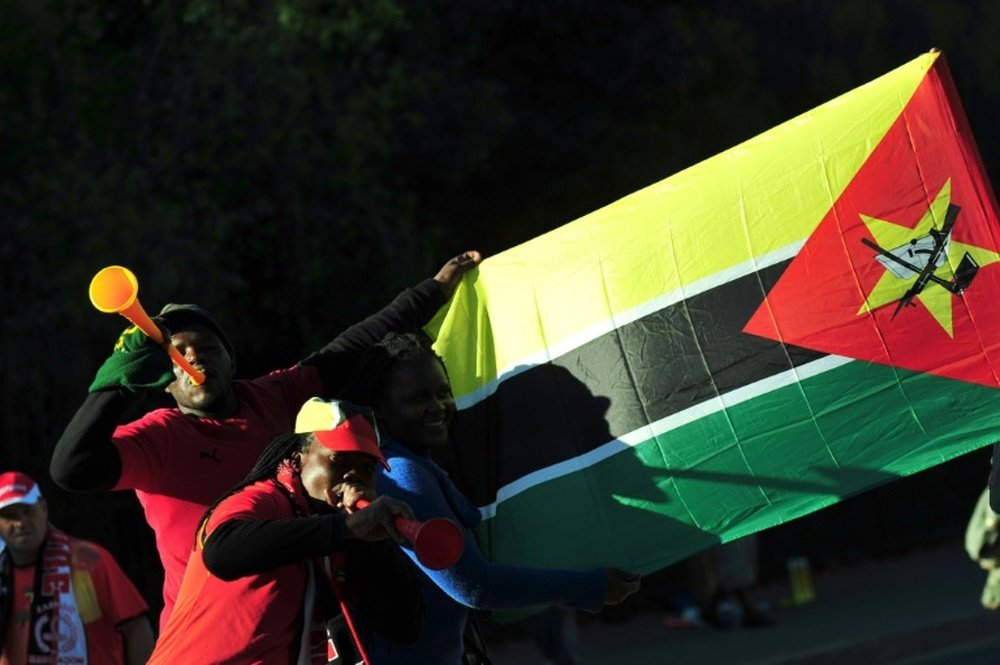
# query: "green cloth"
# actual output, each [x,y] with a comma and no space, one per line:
[137,363]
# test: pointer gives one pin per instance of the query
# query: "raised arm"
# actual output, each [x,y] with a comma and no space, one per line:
[410,310]
[85,459]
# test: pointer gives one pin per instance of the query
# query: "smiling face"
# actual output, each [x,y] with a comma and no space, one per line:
[203,349]
[23,527]
[326,473]
[417,406]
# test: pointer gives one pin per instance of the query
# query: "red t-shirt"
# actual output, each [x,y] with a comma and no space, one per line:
[104,597]
[254,619]
[179,465]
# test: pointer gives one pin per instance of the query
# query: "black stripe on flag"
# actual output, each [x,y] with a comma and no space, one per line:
[646,370]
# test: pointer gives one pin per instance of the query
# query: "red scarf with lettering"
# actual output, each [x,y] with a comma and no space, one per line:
[56,634]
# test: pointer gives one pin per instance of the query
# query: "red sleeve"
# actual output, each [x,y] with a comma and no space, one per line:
[117,597]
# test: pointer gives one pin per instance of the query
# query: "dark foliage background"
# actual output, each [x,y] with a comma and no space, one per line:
[292,164]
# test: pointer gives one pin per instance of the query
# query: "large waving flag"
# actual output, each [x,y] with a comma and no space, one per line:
[801,318]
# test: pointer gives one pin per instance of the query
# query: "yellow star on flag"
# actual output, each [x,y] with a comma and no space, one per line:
[892,287]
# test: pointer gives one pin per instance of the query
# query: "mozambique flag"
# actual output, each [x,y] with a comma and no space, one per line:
[798,319]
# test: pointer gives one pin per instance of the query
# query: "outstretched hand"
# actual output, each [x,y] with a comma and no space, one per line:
[451,273]
[621,585]
[377,520]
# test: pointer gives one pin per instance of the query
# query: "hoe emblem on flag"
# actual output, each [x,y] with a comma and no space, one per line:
[922,261]
[912,229]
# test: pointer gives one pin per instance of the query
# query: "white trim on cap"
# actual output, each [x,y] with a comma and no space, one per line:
[19,496]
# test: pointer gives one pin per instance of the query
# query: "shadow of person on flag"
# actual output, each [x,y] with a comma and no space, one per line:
[560,483]
[557,486]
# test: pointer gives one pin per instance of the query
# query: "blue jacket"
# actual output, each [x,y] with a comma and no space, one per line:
[473,582]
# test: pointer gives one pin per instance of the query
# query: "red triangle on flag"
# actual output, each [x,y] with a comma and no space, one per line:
[841,296]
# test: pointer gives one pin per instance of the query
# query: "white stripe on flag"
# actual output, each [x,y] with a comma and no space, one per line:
[617,321]
[673,421]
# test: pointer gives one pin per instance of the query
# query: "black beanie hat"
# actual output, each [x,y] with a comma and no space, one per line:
[178,316]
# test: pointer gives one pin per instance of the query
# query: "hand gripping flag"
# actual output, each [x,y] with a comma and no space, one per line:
[798,319]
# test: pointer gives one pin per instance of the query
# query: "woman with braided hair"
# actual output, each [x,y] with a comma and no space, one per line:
[284,569]
[407,384]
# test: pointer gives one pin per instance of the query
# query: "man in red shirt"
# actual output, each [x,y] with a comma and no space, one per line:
[62,600]
[180,460]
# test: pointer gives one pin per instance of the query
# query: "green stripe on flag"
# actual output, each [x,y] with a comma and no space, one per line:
[747,468]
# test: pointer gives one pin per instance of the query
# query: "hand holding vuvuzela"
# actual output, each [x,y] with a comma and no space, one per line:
[115,289]
[438,543]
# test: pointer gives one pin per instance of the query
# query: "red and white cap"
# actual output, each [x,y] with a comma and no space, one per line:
[17,487]
[340,427]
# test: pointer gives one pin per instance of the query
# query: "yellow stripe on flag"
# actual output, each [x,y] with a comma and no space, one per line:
[760,197]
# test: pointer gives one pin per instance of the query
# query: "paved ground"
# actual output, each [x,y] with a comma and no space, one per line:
[921,609]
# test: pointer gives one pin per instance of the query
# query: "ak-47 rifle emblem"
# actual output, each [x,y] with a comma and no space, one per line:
[921,257]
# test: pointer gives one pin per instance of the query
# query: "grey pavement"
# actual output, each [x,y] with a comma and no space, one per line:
[919,609]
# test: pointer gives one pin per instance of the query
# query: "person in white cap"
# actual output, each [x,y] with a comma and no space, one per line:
[63,600]
[286,569]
